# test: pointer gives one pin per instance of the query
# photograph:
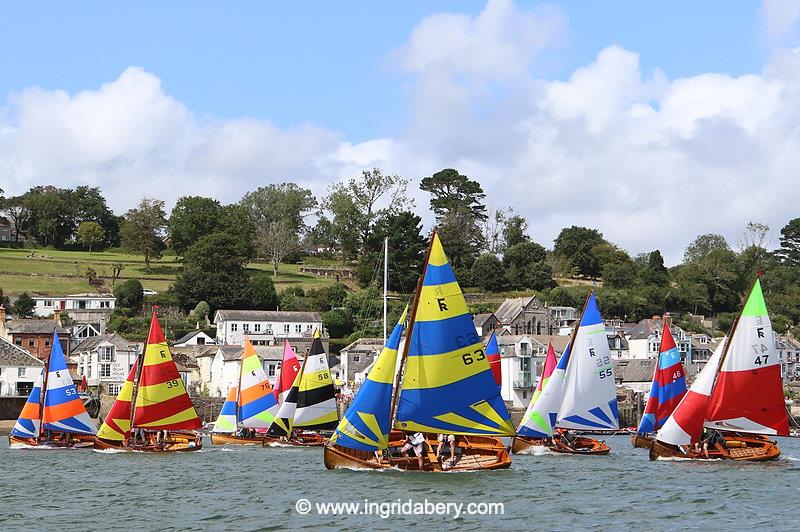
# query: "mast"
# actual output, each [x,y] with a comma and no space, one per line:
[410,330]
[239,388]
[138,377]
[385,282]
[43,391]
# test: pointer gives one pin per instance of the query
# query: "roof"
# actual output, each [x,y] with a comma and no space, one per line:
[365,344]
[480,319]
[634,369]
[511,307]
[559,342]
[82,296]
[268,315]
[11,355]
[188,336]
[184,361]
[197,351]
[93,342]
[645,328]
[265,352]
[34,326]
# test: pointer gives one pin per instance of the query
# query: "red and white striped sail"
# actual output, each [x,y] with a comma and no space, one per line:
[748,394]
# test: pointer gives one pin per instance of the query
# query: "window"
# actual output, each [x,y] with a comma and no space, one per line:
[201,340]
[113,389]
[245,328]
[271,370]
[286,327]
[105,304]
[234,327]
[20,372]
[47,342]
[31,342]
[356,358]
[18,341]
[105,370]
[257,327]
[89,369]
[298,328]
[654,347]
[48,302]
[106,353]
[309,327]
[1,370]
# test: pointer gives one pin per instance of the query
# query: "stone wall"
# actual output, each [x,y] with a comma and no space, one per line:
[10,407]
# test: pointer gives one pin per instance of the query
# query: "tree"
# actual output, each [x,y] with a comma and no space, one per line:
[515,231]
[23,306]
[523,254]
[89,205]
[264,296]
[753,234]
[493,230]
[129,294]
[539,276]
[90,234]
[576,244]
[17,213]
[201,311]
[790,243]
[488,273]
[343,227]
[338,323]
[655,273]
[703,246]
[50,219]
[278,214]
[406,251]
[143,230]
[192,218]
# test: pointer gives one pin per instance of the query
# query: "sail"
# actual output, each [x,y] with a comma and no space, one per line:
[669,385]
[29,421]
[748,394]
[161,399]
[590,396]
[548,368]
[63,408]
[257,403]
[117,426]
[540,418]
[493,355]
[316,397]
[284,419]
[290,368]
[448,386]
[365,425]
[226,421]
[685,425]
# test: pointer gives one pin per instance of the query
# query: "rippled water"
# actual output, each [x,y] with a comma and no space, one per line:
[251,488]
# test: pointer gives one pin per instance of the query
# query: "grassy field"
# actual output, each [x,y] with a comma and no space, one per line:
[64,272]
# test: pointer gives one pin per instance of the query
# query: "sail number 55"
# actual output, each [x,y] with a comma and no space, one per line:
[469,358]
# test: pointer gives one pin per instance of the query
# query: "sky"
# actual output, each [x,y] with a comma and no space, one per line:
[652,123]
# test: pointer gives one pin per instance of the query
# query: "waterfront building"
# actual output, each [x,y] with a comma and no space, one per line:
[36,335]
[18,369]
[645,337]
[105,360]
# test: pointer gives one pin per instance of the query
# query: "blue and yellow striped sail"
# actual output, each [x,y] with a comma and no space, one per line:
[448,385]
[365,425]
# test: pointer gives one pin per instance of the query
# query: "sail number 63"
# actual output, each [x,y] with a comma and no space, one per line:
[469,358]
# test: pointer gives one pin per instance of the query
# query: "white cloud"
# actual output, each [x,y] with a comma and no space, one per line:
[652,162]
[779,17]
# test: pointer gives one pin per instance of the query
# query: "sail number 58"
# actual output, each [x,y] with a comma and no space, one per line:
[469,358]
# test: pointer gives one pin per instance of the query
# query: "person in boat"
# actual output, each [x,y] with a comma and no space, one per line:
[713,437]
[414,441]
[567,438]
[451,439]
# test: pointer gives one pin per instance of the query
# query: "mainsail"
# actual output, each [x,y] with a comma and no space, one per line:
[226,421]
[748,393]
[365,425]
[284,419]
[493,355]
[161,399]
[316,398]
[63,408]
[447,386]
[540,418]
[290,368]
[257,403]
[669,385]
[29,422]
[590,397]
[117,426]
[685,425]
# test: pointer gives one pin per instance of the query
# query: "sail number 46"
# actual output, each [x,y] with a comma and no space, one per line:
[469,358]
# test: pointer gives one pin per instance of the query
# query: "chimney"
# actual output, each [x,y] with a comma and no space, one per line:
[667,320]
[57,317]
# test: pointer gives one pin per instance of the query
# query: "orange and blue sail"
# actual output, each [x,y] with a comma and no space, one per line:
[448,386]
[668,388]
[365,426]
[29,422]
[493,354]
[257,403]
[161,399]
[226,422]
[63,407]
[117,426]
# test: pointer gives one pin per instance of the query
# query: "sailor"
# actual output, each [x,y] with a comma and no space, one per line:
[451,439]
[414,441]
[713,437]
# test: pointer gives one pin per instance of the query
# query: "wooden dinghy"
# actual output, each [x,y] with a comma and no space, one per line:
[218,438]
[580,445]
[523,444]
[642,441]
[738,447]
[473,453]
[175,442]
[302,439]
[72,441]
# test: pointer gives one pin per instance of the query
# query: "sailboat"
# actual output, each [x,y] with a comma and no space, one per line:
[309,411]
[527,433]
[153,412]
[493,355]
[57,419]
[444,386]
[580,395]
[249,406]
[667,390]
[739,392]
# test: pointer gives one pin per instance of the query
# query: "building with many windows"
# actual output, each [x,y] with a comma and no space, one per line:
[105,360]
[75,305]
[266,327]
[18,369]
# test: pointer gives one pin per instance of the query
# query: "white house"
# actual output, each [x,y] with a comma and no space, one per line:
[105,360]
[789,354]
[45,304]
[18,369]
[264,327]
[644,339]
[196,337]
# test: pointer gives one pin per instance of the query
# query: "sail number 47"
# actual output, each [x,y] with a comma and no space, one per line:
[469,358]
[761,355]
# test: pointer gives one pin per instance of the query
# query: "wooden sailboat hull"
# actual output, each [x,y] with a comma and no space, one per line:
[522,444]
[580,446]
[738,447]
[304,439]
[641,441]
[218,438]
[178,442]
[75,441]
[478,453]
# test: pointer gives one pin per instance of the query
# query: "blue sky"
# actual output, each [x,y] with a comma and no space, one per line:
[330,63]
